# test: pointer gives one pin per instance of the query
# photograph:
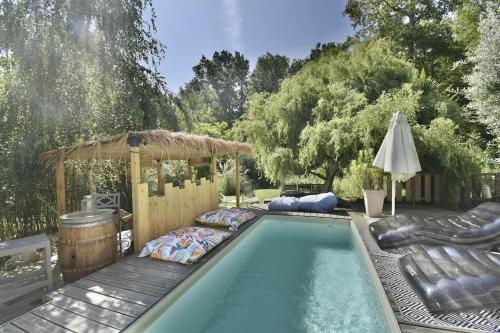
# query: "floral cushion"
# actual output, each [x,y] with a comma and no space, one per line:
[185,245]
[226,217]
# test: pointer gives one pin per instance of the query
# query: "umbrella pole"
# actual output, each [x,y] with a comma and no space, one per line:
[393,202]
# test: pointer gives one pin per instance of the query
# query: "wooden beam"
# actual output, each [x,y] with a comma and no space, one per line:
[190,171]
[213,168]
[237,171]
[427,187]
[140,205]
[437,189]
[418,188]
[161,180]
[92,184]
[214,193]
[497,187]
[409,190]
[60,188]
[399,188]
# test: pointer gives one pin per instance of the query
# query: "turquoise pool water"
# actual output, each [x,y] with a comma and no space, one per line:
[284,275]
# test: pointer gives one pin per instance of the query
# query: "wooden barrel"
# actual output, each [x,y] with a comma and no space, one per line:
[87,242]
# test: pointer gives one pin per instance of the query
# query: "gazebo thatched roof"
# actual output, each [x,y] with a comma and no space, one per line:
[153,144]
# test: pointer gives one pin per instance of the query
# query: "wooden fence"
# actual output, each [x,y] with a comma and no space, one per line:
[427,188]
[177,207]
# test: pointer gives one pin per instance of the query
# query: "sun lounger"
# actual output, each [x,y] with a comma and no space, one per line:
[454,278]
[479,227]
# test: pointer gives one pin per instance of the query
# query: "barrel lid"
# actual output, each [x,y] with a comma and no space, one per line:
[87,216]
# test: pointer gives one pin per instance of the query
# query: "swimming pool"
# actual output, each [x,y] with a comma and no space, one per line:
[284,274]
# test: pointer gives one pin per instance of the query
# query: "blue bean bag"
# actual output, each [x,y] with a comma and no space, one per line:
[318,203]
[284,203]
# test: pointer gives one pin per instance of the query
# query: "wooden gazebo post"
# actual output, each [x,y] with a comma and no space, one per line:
[60,187]
[237,171]
[161,180]
[140,205]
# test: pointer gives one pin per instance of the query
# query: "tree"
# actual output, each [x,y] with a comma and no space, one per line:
[227,75]
[306,126]
[422,28]
[268,72]
[339,105]
[484,81]
[466,21]
[70,71]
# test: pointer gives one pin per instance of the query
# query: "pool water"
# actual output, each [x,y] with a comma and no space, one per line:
[283,275]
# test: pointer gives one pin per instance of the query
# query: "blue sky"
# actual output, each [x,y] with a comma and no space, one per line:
[192,28]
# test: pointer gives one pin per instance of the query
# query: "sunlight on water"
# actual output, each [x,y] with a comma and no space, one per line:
[283,277]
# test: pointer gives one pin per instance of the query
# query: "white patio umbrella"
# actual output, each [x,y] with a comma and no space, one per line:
[398,154]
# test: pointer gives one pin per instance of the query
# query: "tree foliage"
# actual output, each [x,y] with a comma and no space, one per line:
[71,71]
[339,105]
[269,70]
[484,81]
[307,124]
[425,30]
[226,74]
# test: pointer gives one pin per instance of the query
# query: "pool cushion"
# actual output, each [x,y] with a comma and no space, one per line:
[454,278]
[479,226]
[318,203]
[284,204]
[226,217]
[185,245]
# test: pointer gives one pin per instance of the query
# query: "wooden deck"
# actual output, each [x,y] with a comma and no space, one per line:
[111,299]
[114,297]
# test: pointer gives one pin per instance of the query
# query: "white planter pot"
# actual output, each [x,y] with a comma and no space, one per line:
[374,202]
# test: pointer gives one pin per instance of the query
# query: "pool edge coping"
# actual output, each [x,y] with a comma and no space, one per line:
[389,313]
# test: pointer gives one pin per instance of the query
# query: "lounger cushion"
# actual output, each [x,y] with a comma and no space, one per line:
[185,245]
[284,204]
[226,217]
[454,278]
[479,226]
[319,203]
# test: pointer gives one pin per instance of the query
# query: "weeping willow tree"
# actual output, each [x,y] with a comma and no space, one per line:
[70,71]
[336,110]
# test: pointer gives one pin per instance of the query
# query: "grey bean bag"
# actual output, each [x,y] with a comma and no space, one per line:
[318,203]
[479,227]
[284,204]
[454,278]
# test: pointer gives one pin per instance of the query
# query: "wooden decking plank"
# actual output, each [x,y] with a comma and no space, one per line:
[165,283]
[71,321]
[93,312]
[116,292]
[127,284]
[110,303]
[9,328]
[151,272]
[157,264]
[32,323]
[21,305]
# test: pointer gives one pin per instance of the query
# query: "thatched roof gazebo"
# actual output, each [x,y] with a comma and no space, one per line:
[174,207]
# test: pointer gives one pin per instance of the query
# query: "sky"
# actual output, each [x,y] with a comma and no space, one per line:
[192,28]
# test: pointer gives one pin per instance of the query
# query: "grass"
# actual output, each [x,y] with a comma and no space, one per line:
[262,194]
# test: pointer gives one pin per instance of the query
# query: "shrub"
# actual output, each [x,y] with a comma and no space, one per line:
[227,179]
[359,175]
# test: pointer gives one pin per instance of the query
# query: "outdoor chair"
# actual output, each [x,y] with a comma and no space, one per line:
[225,200]
[112,201]
[479,227]
[249,197]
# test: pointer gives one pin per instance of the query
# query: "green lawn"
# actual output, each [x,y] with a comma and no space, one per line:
[267,193]
[261,194]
